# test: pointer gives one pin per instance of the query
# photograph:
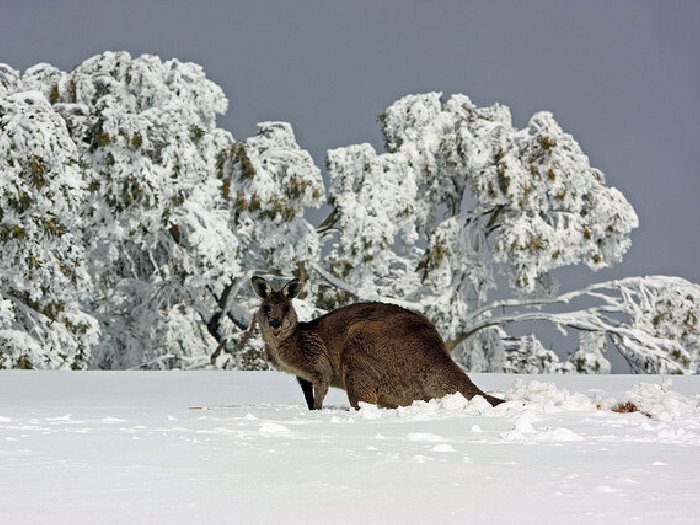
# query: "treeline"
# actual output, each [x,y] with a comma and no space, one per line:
[130,225]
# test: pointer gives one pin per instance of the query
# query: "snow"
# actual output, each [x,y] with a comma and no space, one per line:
[208,447]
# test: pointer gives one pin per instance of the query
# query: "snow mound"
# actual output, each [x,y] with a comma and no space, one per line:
[273,428]
[659,402]
[524,430]
[557,435]
[424,410]
[670,417]
[549,396]
[531,407]
[522,426]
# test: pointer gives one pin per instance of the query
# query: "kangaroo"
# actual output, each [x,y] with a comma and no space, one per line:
[378,353]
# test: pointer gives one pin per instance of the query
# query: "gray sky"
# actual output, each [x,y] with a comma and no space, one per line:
[622,77]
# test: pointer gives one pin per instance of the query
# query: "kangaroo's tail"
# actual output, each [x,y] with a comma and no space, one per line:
[493,400]
[469,390]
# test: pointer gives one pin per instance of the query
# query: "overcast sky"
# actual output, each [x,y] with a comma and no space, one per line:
[622,77]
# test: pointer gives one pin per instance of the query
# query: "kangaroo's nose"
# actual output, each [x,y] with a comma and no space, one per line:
[275,323]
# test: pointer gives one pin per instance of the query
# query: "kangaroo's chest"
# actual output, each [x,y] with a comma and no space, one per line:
[303,356]
[287,357]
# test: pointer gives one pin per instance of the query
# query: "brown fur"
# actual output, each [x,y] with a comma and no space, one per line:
[378,353]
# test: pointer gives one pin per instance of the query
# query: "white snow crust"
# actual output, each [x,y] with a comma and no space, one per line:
[240,447]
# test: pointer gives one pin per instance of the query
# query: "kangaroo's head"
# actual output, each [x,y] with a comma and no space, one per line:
[276,315]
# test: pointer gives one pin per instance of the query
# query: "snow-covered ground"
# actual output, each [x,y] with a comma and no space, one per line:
[125,447]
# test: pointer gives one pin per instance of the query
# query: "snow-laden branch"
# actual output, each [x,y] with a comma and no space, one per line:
[359,294]
[656,328]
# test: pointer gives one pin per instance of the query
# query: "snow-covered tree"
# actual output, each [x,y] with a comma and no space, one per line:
[651,321]
[130,225]
[459,196]
[527,355]
[197,210]
[484,351]
[269,180]
[159,236]
[176,215]
[666,308]
[43,270]
[492,350]
[479,192]
[147,143]
[588,358]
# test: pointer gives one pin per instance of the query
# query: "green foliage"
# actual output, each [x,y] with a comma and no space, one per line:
[72,91]
[547,143]
[54,94]
[196,133]
[12,231]
[100,138]
[24,363]
[239,156]
[19,202]
[136,141]
[253,359]
[296,187]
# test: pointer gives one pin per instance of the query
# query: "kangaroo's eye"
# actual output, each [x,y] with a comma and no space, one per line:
[266,310]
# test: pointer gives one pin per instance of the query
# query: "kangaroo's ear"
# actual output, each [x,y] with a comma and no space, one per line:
[292,288]
[261,286]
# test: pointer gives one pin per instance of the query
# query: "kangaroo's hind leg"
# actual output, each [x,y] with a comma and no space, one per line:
[362,382]
[360,387]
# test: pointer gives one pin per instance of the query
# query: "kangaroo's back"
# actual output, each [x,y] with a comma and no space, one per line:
[338,324]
